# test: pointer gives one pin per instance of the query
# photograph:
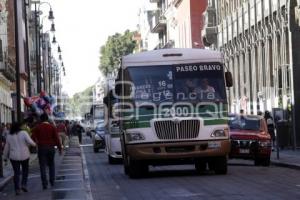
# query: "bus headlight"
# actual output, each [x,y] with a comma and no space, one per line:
[135,136]
[219,133]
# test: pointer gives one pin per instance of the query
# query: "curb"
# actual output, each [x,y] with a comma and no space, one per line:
[5,181]
[85,189]
[89,195]
[286,165]
[9,177]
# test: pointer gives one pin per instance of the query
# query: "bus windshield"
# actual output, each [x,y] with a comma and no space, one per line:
[179,83]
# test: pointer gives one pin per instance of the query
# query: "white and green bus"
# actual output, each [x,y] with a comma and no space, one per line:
[173,109]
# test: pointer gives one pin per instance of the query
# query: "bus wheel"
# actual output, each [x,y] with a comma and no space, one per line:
[137,169]
[200,166]
[218,164]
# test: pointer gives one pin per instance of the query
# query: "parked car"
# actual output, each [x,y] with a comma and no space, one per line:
[250,138]
[98,137]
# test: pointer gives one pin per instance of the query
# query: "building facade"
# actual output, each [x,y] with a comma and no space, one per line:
[172,24]
[33,48]
[258,38]
[98,91]
[7,70]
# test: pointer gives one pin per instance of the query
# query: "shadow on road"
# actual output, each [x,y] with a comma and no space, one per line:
[177,173]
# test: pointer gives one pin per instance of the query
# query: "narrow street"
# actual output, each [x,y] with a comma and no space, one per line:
[243,181]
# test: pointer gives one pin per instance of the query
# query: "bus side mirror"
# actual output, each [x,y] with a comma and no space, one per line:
[228,79]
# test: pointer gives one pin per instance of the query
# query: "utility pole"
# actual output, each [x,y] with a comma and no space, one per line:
[49,69]
[18,92]
[27,51]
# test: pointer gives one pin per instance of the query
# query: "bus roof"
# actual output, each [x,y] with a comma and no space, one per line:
[171,56]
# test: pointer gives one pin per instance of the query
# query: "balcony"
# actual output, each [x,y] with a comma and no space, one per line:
[158,22]
[211,30]
[154,1]
[32,57]
[211,15]
[211,36]
[8,70]
[165,45]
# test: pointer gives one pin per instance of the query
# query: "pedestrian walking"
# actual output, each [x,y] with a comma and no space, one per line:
[68,126]
[77,130]
[46,137]
[6,130]
[17,150]
[271,127]
[62,132]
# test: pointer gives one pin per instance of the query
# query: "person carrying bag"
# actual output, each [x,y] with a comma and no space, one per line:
[16,149]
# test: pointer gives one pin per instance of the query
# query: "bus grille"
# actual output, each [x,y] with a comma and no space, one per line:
[171,130]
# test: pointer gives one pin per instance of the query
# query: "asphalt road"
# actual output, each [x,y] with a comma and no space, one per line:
[243,181]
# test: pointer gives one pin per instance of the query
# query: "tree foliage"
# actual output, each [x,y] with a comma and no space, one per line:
[116,46]
[81,102]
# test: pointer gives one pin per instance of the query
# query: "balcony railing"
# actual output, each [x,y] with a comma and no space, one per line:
[158,22]
[165,45]
[8,70]
[32,57]
[211,30]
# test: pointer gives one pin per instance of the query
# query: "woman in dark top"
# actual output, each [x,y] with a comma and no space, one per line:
[271,127]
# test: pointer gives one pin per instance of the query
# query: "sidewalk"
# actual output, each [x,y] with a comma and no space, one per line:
[8,172]
[287,158]
[72,180]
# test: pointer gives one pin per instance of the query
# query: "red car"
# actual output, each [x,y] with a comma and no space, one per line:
[250,139]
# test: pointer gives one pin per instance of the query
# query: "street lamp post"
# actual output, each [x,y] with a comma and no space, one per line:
[26,4]
[50,64]
[57,78]
[37,56]
[37,34]
[46,60]
[18,89]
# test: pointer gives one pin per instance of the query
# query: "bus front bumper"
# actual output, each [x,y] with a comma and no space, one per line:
[178,150]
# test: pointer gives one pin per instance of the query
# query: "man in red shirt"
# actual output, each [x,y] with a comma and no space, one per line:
[46,137]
